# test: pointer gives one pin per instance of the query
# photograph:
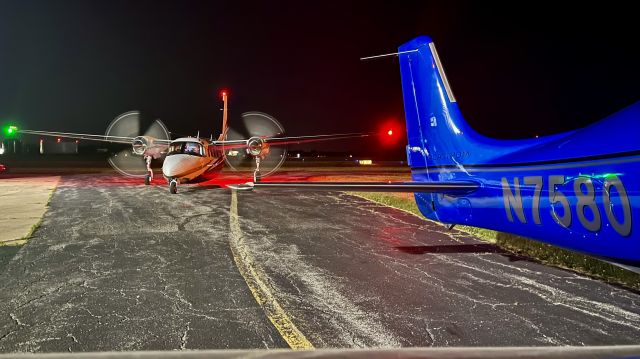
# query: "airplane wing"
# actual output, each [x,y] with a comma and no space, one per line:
[90,137]
[458,187]
[80,136]
[277,141]
[317,138]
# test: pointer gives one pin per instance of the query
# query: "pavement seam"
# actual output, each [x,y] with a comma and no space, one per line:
[258,286]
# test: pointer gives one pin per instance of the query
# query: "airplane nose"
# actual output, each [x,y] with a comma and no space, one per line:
[178,165]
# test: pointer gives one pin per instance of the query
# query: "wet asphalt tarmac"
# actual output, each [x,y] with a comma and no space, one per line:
[121,266]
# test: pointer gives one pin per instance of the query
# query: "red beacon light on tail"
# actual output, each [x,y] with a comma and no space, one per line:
[224,93]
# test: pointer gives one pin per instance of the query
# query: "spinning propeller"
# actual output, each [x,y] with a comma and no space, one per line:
[256,127]
[130,161]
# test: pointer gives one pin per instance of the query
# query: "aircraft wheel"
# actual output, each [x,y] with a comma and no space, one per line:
[147,180]
[173,187]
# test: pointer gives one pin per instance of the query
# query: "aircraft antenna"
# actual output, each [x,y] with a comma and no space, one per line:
[387,55]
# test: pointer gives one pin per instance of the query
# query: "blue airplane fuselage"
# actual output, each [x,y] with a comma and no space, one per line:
[579,190]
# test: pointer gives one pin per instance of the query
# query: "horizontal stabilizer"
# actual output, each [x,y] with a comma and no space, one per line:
[439,187]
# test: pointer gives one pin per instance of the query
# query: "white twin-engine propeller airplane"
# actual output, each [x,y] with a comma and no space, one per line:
[261,142]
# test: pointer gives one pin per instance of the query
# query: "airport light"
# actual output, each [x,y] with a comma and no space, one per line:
[11,130]
[390,132]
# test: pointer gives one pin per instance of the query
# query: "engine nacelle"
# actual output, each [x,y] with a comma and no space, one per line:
[147,146]
[257,147]
[140,144]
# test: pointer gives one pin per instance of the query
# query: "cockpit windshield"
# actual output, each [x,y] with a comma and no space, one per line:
[187,148]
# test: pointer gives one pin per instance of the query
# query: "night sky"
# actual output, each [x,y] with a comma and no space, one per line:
[516,71]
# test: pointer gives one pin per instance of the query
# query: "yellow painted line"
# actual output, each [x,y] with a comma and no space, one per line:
[256,282]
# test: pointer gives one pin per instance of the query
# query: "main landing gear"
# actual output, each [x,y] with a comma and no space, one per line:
[256,173]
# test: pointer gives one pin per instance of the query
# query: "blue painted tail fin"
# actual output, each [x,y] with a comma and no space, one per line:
[437,133]
[435,126]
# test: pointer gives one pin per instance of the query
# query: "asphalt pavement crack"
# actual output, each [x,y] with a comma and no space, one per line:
[430,335]
[185,336]
[48,293]
[7,334]
[17,320]
[74,341]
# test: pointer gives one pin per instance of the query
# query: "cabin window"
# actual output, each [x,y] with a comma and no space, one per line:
[186,148]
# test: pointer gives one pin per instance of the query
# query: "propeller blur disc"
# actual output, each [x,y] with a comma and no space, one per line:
[256,124]
[129,124]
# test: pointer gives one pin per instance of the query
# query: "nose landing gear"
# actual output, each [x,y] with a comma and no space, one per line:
[173,186]
[149,177]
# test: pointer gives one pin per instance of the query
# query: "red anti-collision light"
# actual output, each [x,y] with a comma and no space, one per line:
[224,93]
[389,132]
